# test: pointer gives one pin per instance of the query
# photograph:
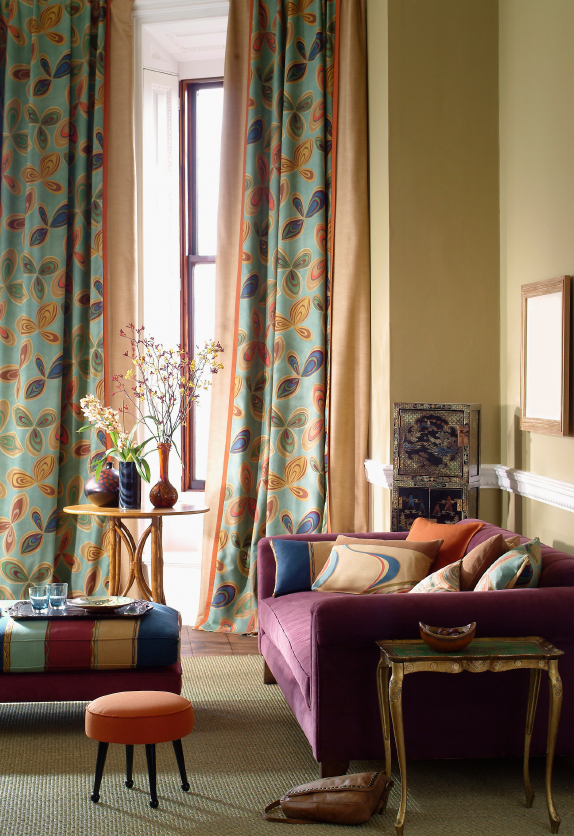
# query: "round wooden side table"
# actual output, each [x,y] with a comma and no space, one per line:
[118,533]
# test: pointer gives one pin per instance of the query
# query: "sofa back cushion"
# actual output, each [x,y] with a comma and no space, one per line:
[557,566]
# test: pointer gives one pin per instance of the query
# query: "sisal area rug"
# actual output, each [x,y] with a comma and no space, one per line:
[245,751]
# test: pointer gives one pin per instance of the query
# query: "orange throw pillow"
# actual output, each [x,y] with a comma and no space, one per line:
[456,539]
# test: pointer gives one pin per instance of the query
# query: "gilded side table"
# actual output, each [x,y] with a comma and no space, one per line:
[410,656]
[119,533]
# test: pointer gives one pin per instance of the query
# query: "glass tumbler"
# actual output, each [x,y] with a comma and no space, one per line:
[58,593]
[39,597]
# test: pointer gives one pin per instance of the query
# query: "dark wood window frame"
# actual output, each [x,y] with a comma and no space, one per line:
[189,247]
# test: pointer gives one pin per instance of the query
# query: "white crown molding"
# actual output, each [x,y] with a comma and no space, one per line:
[497,476]
[534,486]
[169,9]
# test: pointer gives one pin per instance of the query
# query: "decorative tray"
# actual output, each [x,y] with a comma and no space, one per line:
[22,610]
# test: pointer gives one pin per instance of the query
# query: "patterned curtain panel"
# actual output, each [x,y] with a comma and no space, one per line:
[52,89]
[276,466]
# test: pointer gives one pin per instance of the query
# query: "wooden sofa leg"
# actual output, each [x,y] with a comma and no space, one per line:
[328,769]
[268,678]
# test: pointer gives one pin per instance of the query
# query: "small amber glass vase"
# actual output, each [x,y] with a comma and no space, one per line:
[163,494]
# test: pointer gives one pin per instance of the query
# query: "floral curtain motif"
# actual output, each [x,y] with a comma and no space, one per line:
[276,473]
[51,313]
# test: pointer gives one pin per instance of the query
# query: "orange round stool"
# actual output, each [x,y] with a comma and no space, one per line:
[132,717]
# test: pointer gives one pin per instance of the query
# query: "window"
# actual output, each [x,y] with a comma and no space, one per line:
[201,105]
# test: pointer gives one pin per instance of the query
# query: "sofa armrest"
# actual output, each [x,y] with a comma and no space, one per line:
[353,620]
[266,560]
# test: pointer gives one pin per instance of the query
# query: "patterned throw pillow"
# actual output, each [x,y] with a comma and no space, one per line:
[321,552]
[445,580]
[476,562]
[297,563]
[368,570]
[429,547]
[518,568]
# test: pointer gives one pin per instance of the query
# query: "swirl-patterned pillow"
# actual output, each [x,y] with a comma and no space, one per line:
[446,579]
[519,568]
[372,570]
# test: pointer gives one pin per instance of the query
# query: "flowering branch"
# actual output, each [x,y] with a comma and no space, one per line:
[108,419]
[169,381]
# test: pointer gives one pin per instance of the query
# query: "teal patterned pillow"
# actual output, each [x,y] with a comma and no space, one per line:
[446,579]
[518,568]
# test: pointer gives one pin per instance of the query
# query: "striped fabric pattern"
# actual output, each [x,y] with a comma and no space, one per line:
[91,644]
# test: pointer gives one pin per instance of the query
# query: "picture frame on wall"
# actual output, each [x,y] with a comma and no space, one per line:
[545,356]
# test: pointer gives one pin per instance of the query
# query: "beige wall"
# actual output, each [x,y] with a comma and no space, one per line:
[436,288]
[536,224]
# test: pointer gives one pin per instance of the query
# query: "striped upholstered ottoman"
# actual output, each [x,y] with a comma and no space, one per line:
[82,659]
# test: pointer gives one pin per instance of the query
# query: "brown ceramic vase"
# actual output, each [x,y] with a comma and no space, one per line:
[163,494]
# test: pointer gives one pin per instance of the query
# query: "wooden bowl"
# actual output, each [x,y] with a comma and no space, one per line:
[445,642]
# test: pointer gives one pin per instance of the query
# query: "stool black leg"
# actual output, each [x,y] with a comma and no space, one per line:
[100,763]
[177,748]
[150,757]
[129,766]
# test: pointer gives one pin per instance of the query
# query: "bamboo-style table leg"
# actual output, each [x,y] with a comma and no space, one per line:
[135,559]
[114,552]
[157,561]
[383,692]
[533,691]
[395,697]
[555,684]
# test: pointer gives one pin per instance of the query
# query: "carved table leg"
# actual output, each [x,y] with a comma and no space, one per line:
[555,684]
[383,692]
[157,561]
[533,690]
[395,696]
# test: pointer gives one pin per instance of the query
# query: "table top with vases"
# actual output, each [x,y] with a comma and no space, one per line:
[138,513]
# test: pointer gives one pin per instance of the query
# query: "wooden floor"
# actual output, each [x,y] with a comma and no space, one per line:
[202,643]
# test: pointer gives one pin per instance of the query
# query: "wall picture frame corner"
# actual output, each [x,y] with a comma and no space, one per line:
[545,356]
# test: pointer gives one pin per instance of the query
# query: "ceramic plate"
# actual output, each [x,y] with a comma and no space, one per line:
[97,603]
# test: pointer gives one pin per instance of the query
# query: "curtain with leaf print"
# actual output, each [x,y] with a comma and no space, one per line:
[275,464]
[51,288]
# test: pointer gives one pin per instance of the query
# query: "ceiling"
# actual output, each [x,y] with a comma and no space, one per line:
[191,40]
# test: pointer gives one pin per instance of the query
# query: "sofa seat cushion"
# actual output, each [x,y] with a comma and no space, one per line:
[287,622]
[86,644]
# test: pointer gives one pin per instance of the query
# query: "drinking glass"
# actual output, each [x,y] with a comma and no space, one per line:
[39,597]
[58,593]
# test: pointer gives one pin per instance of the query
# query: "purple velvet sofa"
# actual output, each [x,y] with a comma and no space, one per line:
[320,649]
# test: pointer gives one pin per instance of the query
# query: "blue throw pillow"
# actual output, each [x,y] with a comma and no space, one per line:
[294,566]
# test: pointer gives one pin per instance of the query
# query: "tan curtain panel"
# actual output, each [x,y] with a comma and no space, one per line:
[229,247]
[122,284]
[350,324]
[121,259]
